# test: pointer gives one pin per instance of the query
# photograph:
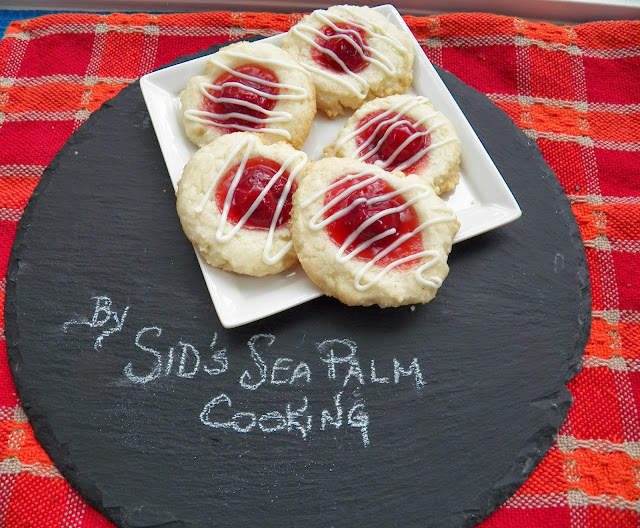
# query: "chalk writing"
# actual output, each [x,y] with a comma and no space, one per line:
[262,366]
[281,364]
[336,352]
[336,421]
[295,418]
[243,422]
[102,314]
[157,357]
[157,368]
[189,364]
[357,417]
[414,369]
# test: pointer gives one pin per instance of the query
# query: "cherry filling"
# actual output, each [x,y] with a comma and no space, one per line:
[403,222]
[257,174]
[242,94]
[390,144]
[348,48]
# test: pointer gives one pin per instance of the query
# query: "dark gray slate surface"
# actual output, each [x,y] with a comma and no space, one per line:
[442,448]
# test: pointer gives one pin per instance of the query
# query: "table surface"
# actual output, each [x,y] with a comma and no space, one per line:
[8,16]
[560,11]
[547,78]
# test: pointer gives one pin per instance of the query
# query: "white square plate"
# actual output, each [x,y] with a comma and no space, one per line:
[482,200]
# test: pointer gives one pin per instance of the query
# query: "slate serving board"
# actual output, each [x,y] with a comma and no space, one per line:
[323,415]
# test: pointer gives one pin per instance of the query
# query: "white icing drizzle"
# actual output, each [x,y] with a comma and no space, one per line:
[342,256]
[366,52]
[386,118]
[208,90]
[297,161]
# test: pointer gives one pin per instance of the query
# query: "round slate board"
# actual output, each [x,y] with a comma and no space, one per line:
[323,415]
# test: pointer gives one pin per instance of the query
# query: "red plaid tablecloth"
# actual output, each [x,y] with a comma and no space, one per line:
[575,90]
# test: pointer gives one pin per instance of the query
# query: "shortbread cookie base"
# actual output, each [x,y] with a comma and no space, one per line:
[243,253]
[440,168]
[336,92]
[295,130]
[317,252]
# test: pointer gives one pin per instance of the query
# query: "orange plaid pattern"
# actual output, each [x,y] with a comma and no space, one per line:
[572,89]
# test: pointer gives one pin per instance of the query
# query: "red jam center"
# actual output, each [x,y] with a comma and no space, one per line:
[242,94]
[257,174]
[403,222]
[393,141]
[348,48]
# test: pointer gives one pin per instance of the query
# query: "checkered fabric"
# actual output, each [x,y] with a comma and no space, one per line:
[574,90]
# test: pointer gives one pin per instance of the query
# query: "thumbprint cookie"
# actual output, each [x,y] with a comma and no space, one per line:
[249,87]
[234,203]
[404,133]
[367,236]
[353,53]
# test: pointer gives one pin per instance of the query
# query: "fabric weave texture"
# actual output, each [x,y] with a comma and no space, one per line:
[573,90]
